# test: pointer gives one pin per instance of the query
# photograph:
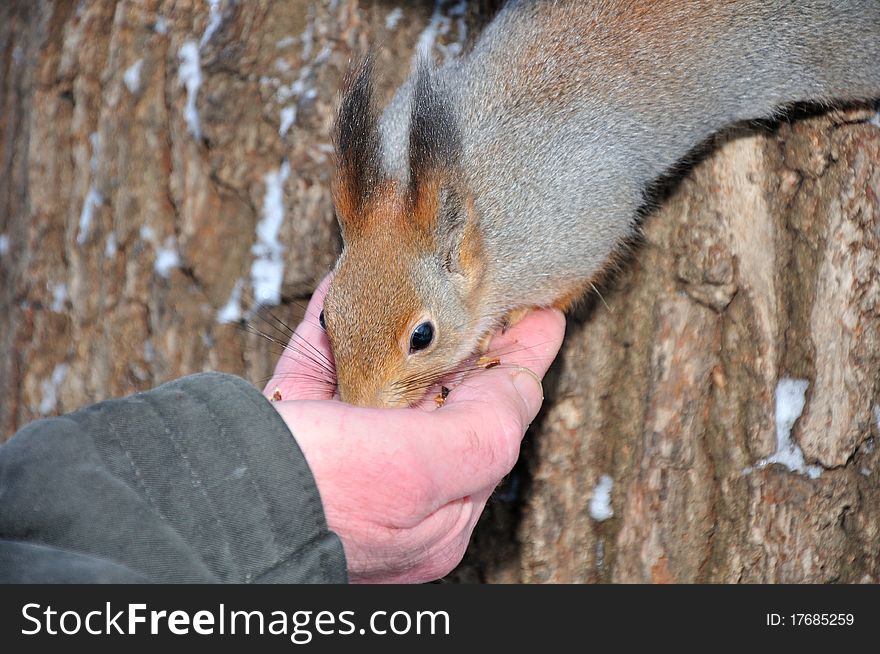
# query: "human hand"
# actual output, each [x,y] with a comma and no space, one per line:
[404,488]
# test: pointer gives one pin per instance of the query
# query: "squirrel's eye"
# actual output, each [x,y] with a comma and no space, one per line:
[321,320]
[421,337]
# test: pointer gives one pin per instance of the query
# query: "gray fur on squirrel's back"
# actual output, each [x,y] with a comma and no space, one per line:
[568,110]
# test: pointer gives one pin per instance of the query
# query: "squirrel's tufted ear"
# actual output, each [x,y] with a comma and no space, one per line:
[437,199]
[434,143]
[356,142]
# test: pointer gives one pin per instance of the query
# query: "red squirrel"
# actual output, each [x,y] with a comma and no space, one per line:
[504,180]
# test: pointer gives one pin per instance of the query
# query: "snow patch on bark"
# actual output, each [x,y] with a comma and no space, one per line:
[600,502]
[50,387]
[132,76]
[790,401]
[267,270]
[231,311]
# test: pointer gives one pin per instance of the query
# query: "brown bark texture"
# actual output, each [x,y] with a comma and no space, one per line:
[144,143]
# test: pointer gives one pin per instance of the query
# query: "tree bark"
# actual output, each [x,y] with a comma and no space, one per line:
[130,199]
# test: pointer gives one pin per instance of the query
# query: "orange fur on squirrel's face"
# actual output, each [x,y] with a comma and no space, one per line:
[390,278]
[413,257]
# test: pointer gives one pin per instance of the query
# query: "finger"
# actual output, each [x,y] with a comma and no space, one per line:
[521,343]
[443,537]
[305,369]
[528,347]
[368,461]
[473,441]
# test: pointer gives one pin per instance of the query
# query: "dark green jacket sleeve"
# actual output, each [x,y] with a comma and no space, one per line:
[198,480]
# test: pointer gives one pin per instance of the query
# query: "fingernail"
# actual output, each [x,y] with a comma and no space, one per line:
[529,387]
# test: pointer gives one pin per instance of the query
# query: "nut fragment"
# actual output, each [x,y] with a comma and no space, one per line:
[488,362]
[440,400]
